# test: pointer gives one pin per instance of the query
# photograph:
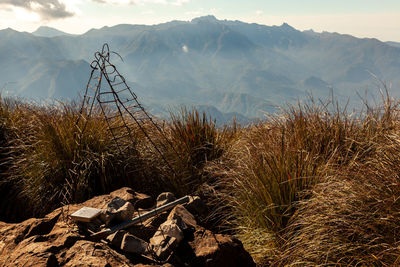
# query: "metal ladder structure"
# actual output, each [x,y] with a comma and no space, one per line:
[124,115]
[108,88]
[122,112]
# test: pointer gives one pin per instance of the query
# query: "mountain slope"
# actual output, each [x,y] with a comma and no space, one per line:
[230,65]
[44,31]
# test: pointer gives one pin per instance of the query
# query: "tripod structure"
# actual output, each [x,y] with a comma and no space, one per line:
[108,88]
[124,115]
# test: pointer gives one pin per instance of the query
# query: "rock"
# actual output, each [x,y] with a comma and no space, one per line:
[138,200]
[105,217]
[219,250]
[124,213]
[118,210]
[133,244]
[148,228]
[55,241]
[29,244]
[115,204]
[196,206]
[168,228]
[87,253]
[182,217]
[165,198]
[115,239]
[165,248]
[166,239]
[142,201]
[146,265]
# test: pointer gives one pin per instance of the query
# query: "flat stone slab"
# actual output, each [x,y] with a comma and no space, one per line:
[86,214]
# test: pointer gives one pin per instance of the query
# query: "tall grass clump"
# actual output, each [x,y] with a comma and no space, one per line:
[52,161]
[352,216]
[275,165]
[11,203]
[193,140]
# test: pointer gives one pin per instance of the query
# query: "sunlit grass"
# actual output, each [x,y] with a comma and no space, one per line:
[315,185]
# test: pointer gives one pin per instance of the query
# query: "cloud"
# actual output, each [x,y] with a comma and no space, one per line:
[259,12]
[143,2]
[148,12]
[46,9]
[116,2]
[179,2]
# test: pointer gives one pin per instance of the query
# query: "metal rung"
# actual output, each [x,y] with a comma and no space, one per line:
[136,106]
[118,127]
[116,84]
[120,91]
[108,101]
[106,93]
[122,136]
[127,101]
[113,117]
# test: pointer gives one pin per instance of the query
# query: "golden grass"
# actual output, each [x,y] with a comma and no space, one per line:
[313,186]
[276,166]
[51,160]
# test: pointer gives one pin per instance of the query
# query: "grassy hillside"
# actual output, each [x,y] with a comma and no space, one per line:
[313,185]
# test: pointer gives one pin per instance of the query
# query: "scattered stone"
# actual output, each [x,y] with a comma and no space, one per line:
[165,198]
[124,213]
[148,228]
[138,200]
[166,247]
[196,205]
[87,253]
[168,228]
[146,265]
[182,217]
[118,210]
[142,201]
[115,204]
[166,239]
[133,244]
[54,241]
[115,239]
[105,217]
[219,250]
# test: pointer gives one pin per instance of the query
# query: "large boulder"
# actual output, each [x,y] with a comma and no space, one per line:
[218,250]
[174,236]
[56,241]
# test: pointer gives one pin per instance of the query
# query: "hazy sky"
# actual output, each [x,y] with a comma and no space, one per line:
[362,18]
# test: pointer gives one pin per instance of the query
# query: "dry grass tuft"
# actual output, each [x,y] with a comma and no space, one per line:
[314,186]
[276,165]
[48,165]
[194,140]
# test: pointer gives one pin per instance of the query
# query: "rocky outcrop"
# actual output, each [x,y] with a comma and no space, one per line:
[172,238]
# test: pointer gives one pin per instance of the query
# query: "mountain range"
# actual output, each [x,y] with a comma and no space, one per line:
[224,66]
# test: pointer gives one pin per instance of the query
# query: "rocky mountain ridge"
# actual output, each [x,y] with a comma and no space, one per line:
[232,66]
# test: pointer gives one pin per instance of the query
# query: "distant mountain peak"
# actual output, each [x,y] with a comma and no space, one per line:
[287,26]
[45,31]
[208,18]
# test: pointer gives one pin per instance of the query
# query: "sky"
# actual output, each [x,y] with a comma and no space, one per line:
[362,18]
